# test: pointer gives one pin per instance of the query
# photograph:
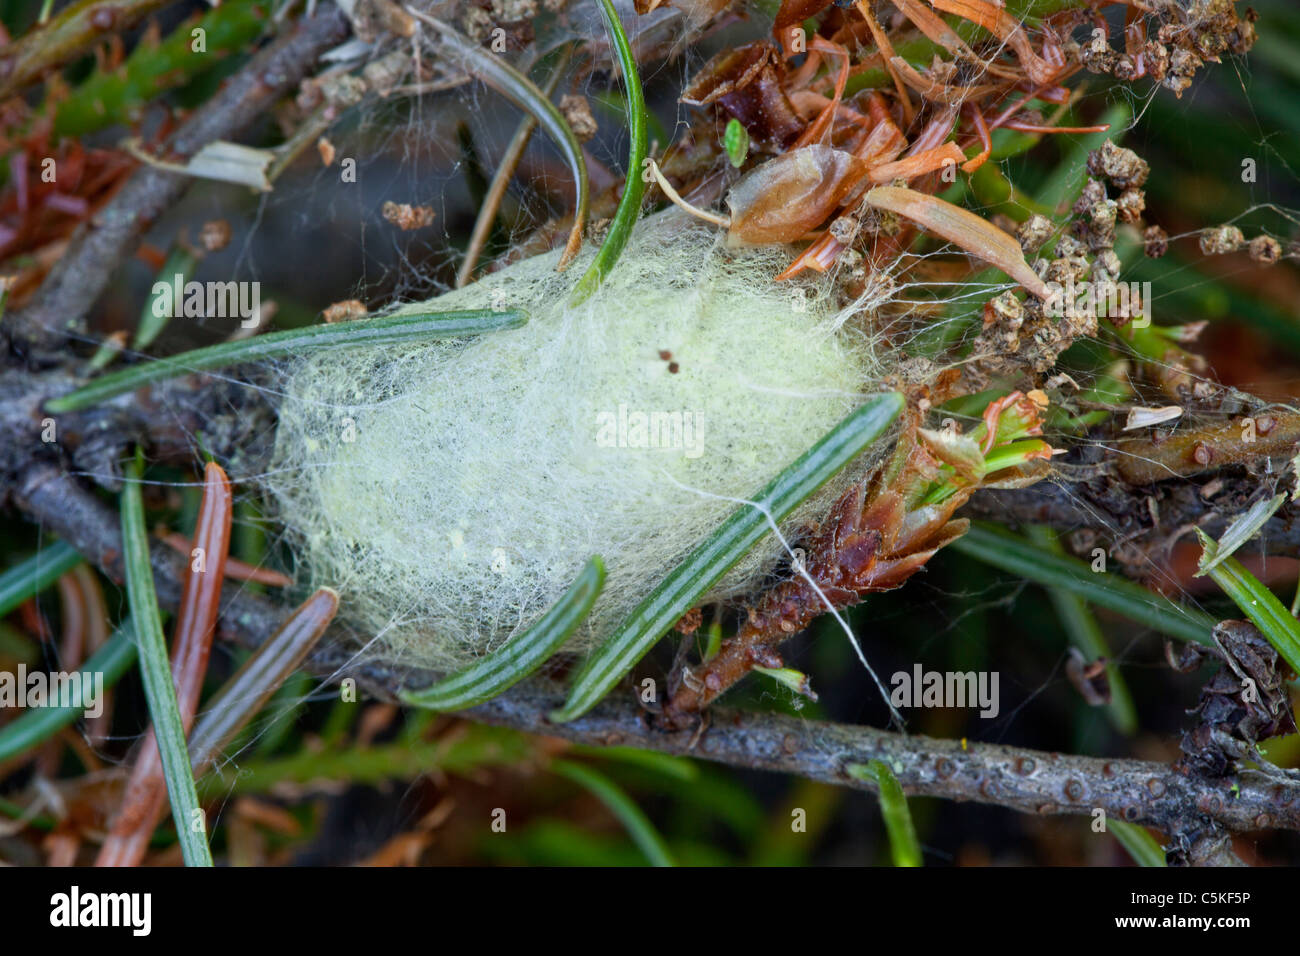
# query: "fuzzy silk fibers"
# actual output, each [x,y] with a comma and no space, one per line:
[452,491]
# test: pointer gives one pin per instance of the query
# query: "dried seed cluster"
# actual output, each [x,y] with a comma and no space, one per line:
[1018,333]
[1186,37]
[1222,240]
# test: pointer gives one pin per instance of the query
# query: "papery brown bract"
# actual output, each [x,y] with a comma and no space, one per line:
[791,14]
[961,227]
[881,532]
[872,540]
[1006,28]
[746,83]
[783,199]
[698,12]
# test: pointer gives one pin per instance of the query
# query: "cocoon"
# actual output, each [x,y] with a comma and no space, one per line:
[450,492]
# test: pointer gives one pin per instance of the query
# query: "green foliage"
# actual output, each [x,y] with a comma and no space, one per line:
[114,97]
[1257,602]
[32,576]
[629,206]
[1139,843]
[39,724]
[1014,554]
[618,803]
[156,672]
[705,566]
[893,808]
[522,656]
[411,327]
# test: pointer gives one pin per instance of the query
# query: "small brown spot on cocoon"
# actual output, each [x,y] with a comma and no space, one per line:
[1074,791]
[945,768]
[103,18]
[1156,787]
[665,354]
[674,368]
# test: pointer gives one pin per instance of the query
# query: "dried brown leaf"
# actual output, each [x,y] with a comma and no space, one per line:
[783,199]
[962,228]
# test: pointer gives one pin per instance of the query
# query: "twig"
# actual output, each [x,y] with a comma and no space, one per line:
[487,214]
[521,91]
[1190,451]
[75,30]
[1027,780]
[1119,511]
[59,308]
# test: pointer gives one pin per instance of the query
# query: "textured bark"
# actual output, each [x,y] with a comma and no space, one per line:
[58,310]
[1026,780]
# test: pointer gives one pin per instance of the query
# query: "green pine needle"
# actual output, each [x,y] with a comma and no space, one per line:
[39,724]
[359,333]
[1256,601]
[499,671]
[637,824]
[629,206]
[1140,844]
[893,808]
[159,689]
[32,576]
[705,566]
[1015,555]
